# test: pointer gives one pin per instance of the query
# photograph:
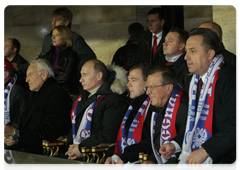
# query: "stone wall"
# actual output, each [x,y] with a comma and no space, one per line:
[102,23]
[225,16]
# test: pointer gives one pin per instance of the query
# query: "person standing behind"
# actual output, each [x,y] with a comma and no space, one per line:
[11,52]
[63,59]
[150,44]
[63,16]
[126,56]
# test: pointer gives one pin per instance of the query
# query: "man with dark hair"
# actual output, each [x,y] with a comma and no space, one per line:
[133,134]
[97,113]
[228,56]
[210,135]
[63,16]
[174,51]
[14,96]
[126,56]
[170,110]
[150,44]
[11,52]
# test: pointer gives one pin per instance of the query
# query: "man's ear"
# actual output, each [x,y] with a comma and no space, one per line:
[44,74]
[169,88]
[181,46]
[99,76]
[14,50]
[66,23]
[211,54]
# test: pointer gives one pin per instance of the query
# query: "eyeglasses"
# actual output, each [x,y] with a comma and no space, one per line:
[153,87]
[29,75]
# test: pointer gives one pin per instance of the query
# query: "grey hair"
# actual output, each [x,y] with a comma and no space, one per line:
[43,64]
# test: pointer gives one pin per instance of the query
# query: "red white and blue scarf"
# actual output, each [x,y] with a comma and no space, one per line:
[200,114]
[7,92]
[84,130]
[168,130]
[135,131]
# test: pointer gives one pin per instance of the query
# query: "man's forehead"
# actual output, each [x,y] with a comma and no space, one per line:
[57,16]
[194,41]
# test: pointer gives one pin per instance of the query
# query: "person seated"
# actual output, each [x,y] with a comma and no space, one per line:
[170,114]
[97,113]
[135,127]
[210,135]
[11,52]
[15,96]
[126,56]
[63,59]
[46,116]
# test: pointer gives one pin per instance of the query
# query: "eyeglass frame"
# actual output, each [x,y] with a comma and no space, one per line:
[29,75]
[153,87]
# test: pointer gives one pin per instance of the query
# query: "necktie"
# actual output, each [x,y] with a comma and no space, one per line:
[200,83]
[154,46]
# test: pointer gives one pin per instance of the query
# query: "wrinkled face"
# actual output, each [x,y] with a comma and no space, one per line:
[8,50]
[171,46]
[89,79]
[34,77]
[136,83]
[159,95]
[154,24]
[56,39]
[58,20]
[198,60]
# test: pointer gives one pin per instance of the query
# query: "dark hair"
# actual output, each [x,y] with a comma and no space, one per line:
[15,44]
[169,76]
[99,66]
[8,70]
[142,66]
[210,39]
[65,13]
[183,35]
[135,29]
[158,11]
[215,27]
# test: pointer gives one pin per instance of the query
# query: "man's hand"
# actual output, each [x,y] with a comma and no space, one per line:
[197,157]
[9,130]
[120,161]
[167,150]
[9,141]
[146,165]
[109,160]
[73,152]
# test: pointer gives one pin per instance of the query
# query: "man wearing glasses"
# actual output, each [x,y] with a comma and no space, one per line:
[169,118]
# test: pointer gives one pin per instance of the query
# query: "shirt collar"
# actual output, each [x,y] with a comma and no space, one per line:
[159,35]
[173,59]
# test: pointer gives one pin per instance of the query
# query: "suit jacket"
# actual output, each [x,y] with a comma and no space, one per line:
[106,117]
[46,117]
[145,49]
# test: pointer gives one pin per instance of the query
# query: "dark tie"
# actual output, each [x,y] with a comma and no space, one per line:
[154,46]
[200,83]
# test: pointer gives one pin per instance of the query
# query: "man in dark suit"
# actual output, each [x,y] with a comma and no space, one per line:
[46,116]
[150,44]
[11,52]
[210,135]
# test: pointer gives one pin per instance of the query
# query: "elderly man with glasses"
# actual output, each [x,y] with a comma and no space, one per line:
[169,110]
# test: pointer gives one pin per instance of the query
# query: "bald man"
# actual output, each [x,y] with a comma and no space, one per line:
[228,56]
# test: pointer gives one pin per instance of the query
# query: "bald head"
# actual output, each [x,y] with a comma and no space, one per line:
[213,26]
